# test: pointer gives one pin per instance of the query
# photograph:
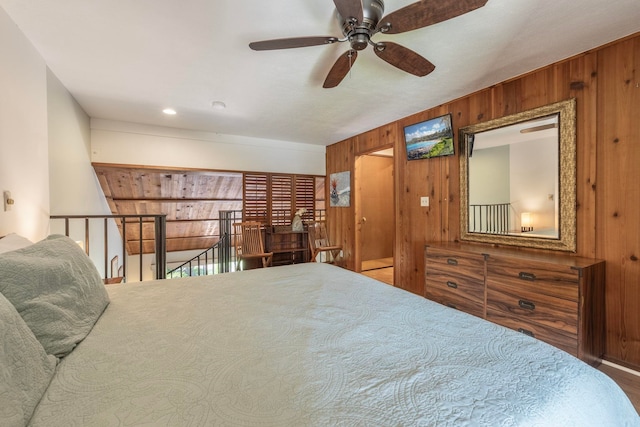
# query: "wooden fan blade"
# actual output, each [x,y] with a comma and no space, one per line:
[291,43]
[403,58]
[425,13]
[350,9]
[340,69]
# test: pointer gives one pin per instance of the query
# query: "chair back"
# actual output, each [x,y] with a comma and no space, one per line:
[317,235]
[319,241]
[248,238]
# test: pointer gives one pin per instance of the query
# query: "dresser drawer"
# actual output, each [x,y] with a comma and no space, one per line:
[456,300]
[541,278]
[457,263]
[455,279]
[532,307]
[462,285]
[555,337]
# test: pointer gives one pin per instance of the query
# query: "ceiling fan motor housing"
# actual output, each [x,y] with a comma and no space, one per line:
[359,33]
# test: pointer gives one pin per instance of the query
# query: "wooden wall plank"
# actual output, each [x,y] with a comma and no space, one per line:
[583,85]
[618,231]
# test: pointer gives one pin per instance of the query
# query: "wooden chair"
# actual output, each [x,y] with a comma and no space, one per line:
[319,242]
[249,243]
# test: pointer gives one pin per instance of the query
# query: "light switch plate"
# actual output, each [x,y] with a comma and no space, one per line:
[424,201]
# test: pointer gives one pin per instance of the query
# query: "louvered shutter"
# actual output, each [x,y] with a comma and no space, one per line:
[273,199]
[305,195]
[255,197]
[281,199]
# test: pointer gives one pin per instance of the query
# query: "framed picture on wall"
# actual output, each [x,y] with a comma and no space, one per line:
[428,139]
[340,190]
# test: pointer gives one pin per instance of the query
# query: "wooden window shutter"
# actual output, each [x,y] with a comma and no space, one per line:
[273,199]
[281,199]
[255,193]
[305,195]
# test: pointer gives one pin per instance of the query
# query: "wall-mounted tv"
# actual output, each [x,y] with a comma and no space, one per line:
[431,138]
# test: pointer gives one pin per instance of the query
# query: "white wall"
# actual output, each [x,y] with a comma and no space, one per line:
[534,181]
[489,180]
[44,147]
[73,186]
[130,143]
[24,166]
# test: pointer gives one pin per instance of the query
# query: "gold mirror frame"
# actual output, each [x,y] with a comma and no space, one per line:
[567,175]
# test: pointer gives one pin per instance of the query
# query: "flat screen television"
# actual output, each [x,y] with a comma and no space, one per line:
[428,139]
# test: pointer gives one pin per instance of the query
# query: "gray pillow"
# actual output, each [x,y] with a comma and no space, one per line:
[25,369]
[13,241]
[56,289]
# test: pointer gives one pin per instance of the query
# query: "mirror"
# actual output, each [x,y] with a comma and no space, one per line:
[518,179]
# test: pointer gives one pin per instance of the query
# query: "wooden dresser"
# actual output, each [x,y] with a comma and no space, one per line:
[554,297]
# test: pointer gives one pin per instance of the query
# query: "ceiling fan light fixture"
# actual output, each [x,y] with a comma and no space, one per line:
[359,41]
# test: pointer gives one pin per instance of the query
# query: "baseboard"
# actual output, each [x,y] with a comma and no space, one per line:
[621,368]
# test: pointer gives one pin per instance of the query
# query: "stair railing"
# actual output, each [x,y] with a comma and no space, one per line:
[213,260]
[122,221]
[490,218]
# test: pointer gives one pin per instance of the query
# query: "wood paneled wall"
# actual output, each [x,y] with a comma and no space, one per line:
[606,85]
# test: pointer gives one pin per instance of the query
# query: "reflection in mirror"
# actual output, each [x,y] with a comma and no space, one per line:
[513,179]
[518,179]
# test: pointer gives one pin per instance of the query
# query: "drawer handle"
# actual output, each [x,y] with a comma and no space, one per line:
[452,261]
[451,305]
[452,285]
[526,332]
[527,276]
[527,305]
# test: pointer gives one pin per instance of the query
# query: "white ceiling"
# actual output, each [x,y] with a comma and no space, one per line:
[128,59]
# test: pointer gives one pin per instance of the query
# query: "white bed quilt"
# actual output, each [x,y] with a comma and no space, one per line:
[314,345]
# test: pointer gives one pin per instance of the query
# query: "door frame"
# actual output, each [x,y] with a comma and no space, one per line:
[358,202]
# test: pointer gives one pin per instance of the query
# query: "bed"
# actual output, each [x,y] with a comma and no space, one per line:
[301,345]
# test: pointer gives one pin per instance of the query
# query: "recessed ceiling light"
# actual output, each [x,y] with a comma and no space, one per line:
[169,111]
[218,105]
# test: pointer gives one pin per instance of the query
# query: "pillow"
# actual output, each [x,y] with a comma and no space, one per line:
[25,368]
[56,289]
[12,241]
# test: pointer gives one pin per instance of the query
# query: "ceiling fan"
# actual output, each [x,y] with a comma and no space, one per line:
[361,20]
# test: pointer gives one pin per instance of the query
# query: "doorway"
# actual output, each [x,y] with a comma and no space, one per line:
[375,202]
